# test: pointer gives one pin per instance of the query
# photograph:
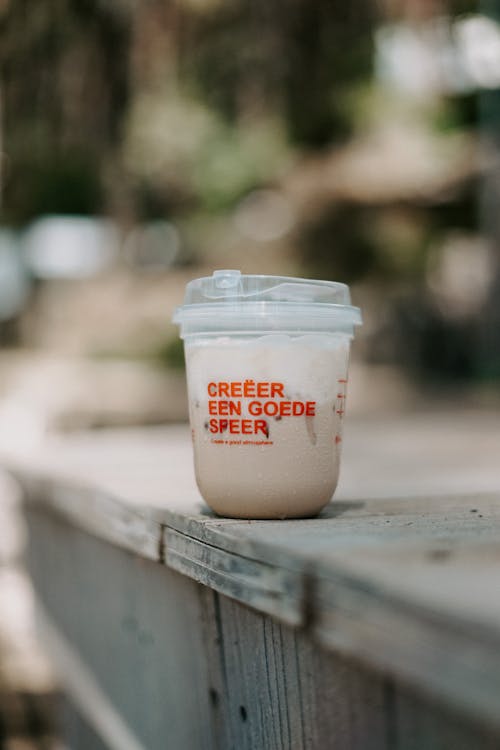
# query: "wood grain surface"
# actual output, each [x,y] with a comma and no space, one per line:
[401,572]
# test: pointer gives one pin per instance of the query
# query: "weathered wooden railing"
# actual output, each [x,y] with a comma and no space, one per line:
[374,626]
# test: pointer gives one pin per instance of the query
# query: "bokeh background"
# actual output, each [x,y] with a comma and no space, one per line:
[144,143]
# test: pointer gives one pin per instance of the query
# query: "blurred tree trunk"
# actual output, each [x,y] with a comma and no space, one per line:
[489,212]
[64,75]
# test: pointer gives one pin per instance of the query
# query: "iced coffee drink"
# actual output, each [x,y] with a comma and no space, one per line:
[266,361]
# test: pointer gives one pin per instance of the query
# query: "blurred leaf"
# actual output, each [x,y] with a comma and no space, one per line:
[171,354]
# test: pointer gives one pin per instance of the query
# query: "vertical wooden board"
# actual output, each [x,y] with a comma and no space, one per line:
[347,702]
[135,624]
[281,692]
[419,724]
[254,660]
[217,684]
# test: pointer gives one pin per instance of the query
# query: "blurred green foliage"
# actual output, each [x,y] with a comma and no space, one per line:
[180,110]
[252,80]
[235,161]
[65,184]
[171,354]
[64,80]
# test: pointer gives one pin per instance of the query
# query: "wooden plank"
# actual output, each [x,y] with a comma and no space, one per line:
[417,724]
[89,508]
[187,667]
[413,644]
[135,625]
[424,456]
[85,691]
[276,689]
[427,610]
[452,575]
[408,645]
[253,666]
[348,525]
[409,585]
[395,583]
[269,588]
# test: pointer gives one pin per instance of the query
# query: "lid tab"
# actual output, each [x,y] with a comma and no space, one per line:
[229,300]
[226,283]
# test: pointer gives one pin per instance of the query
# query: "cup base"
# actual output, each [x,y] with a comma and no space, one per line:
[267,514]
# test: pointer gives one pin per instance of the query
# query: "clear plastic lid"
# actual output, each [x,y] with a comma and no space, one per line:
[229,302]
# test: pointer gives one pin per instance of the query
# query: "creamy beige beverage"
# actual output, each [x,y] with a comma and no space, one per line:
[266,362]
[266,418]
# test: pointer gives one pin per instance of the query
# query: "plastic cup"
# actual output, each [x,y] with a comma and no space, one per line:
[266,362]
